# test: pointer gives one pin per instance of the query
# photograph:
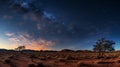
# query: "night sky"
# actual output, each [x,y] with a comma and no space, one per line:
[58,24]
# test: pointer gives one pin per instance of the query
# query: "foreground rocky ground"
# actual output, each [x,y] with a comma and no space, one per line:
[57,59]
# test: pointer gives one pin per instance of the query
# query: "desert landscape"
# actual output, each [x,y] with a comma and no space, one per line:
[59,33]
[102,55]
[63,58]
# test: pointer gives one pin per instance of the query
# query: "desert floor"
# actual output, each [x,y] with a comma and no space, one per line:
[57,59]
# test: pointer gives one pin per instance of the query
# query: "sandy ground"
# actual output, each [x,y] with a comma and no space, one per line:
[24,60]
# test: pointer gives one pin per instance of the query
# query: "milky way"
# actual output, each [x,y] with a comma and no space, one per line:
[74,24]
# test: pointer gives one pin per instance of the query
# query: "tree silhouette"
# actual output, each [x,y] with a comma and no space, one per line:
[103,45]
[20,48]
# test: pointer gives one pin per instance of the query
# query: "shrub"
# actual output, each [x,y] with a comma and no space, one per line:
[40,65]
[118,61]
[70,58]
[31,65]
[7,61]
[42,58]
[13,65]
[80,64]
[62,59]
[32,57]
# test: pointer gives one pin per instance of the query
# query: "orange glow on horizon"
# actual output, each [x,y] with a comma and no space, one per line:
[35,47]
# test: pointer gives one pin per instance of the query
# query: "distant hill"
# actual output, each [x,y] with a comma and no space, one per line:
[63,50]
[67,50]
[83,51]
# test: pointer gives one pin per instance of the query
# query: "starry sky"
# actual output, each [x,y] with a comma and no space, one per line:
[58,24]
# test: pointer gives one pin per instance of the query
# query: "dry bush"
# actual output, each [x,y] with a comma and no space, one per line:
[62,59]
[42,58]
[118,61]
[80,64]
[7,61]
[40,65]
[31,65]
[33,56]
[13,65]
[13,57]
[69,58]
